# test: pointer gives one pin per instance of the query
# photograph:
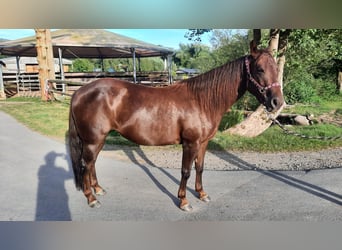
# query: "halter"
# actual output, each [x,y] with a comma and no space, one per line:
[261,88]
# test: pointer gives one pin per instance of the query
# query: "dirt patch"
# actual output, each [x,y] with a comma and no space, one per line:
[333,117]
[170,157]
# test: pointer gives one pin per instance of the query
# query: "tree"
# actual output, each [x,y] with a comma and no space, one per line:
[229,46]
[195,55]
[82,65]
[195,34]
[314,53]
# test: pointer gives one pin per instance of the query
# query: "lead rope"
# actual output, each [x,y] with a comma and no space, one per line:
[289,132]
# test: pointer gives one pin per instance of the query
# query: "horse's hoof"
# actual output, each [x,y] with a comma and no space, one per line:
[101,192]
[95,203]
[205,198]
[186,207]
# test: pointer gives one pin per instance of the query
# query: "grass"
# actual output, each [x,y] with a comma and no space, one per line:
[274,140]
[51,119]
[47,118]
[316,109]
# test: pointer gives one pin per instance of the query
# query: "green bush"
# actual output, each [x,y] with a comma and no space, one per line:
[230,119]
[299,92]
[306,89]
[247,102]
[324,89]
[338,111]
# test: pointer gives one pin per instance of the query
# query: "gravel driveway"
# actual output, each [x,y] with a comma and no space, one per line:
[170,157]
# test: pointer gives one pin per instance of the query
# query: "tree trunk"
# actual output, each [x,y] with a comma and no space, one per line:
[339,82]
[253,125]
[257,36]
[258,122]
[274,42]
[44,58]
[282,45]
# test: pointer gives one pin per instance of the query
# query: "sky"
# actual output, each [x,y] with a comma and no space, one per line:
[170,38]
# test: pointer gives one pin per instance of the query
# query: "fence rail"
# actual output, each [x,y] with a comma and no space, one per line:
[24,84]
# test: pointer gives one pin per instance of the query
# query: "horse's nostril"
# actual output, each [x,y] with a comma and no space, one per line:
[274,102]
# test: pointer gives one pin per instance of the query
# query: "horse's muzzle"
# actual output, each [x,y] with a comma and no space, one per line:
[274,104]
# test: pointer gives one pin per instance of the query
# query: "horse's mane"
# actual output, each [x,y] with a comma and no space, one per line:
[214,88]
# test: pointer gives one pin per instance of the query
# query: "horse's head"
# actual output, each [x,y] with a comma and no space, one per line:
[262,78]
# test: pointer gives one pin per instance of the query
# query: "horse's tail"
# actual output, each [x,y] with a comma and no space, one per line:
[76,150]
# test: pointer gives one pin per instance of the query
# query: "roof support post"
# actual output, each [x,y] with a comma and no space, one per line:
[169,66]
[139,64]
[2,88]
[134,66]
[17,58]
[60,57]
[102,65]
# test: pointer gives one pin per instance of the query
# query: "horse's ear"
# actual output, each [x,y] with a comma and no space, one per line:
[253,48]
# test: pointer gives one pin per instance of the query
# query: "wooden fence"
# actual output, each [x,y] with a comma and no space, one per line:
[27,84]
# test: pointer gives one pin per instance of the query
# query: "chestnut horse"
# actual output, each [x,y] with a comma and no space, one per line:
[187,112]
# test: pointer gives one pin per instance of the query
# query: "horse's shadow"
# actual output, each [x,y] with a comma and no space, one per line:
[280,176]
[134,151]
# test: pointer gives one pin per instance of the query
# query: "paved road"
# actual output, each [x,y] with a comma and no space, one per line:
[37,184]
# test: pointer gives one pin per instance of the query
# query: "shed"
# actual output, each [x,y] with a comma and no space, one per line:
[89,43]
[30,64]
[183,73]
[86,43]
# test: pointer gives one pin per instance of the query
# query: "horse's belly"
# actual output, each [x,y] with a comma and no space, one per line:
[151,132]
[152,138]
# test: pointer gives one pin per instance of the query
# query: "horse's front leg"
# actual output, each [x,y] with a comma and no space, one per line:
[190,151]
[199,165]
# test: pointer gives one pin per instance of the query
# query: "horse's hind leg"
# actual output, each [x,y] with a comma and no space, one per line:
[90,182]
[93,181]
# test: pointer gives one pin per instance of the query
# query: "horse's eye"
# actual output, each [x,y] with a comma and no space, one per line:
[260,70]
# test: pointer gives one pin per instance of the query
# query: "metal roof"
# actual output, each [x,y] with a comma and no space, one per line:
[86,43]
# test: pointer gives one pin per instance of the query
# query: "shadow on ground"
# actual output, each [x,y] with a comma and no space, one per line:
[52,197]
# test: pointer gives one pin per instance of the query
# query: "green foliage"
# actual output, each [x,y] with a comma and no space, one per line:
[151,64]
[307,89]
[117,64]
[114,138]
[82,65]
[195,34]
[247,102]
[229,46]
[314,57]
[299,91]
[126,64]
[325,89]
[230,119]
[194,56]
[226,47]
